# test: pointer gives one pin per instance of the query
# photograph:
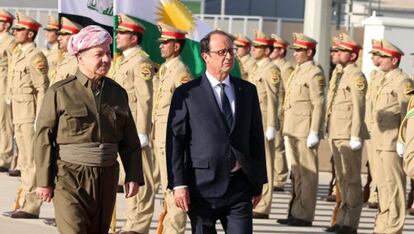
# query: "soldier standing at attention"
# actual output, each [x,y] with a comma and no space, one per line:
[246,61]
[134,72]
[27,86]
[389,107]
[345,128]
[67,65]
[52,52]
[303,113]
[87,120]
[266,77]
[171,74]
[280,165]
[7,45]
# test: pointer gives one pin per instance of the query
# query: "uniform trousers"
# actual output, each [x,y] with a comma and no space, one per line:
[280,167]
[6,134]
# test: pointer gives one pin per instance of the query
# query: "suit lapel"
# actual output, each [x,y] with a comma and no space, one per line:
[237,100]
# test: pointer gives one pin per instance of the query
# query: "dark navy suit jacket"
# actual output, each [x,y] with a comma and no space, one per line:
[199,142]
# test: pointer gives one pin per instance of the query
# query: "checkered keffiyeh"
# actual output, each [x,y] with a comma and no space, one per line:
[88,37]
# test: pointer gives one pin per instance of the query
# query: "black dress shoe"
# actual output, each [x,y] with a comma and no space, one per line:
[260,215]
[50,222]
[120,189]
[330,198]
[346,230]
[8,213]
[283,221]
[19,214]
[4,169]
[127,232]
[411,211]
[278,189]
[14,173]
[299,223]
[373,205]
[332,228]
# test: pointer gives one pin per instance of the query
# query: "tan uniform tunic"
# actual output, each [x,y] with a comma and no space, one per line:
[66,67]
[281,171]
[84,196]
[389,107]
[170,75]
[134,72]
[53,56]
[7,45]
[303,113]
[246,64]
[28,84]
[345,120]
[266,76]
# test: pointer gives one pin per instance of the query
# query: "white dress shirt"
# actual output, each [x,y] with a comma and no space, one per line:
[228,89]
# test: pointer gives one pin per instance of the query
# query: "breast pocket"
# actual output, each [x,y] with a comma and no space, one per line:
[77,119]
[300,91]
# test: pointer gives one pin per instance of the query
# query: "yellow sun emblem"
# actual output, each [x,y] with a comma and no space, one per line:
[176,14]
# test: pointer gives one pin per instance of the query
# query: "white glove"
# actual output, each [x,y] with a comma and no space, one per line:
[8,101]
[400,149]
[355,143]
[143,138]
[270,133]
[313,139]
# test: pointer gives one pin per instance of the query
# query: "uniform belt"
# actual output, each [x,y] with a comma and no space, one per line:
[89,154]
[22,90]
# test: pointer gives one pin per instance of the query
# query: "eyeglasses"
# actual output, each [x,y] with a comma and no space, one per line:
[224,52]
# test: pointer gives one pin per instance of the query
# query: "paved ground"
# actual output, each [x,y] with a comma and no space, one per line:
[279,207]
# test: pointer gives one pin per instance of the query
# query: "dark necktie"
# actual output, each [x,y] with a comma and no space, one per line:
[225,106]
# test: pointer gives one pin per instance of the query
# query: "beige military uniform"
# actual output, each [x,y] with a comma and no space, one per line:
[407,133]
[134,72]
[266,76]
[303,113]
[280,166]
[171,75]
[345,120]
[7,45]
[27,85]
[53,55]
[389,107]
[66,67]
[246,64]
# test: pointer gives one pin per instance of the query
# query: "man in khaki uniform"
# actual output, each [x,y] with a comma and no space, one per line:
[303,115]
[374,82]
[7,45]
[52,52]
[345,110]
[67,64]
[280,166]
[27,85]
[389,107]
[266,77]
[171,74]
[134,72]
[246,61]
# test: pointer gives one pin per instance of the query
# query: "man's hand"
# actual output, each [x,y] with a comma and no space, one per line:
[44,193]
[270,133]
[313,139]
[131,189]
[182,198]
[355,143]
[255,200]
[143,138]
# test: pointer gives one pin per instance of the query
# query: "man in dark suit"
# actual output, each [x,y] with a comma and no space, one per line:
[215,149]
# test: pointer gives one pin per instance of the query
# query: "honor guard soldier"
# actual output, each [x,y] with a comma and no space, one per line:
[280,170]
[266,77]
[134,72]
[67,65]
[7,45]
[345,110]
[389,107]
[246,61]
[52,52]
[373,86]
[171,74]
[303,114]
[27,86]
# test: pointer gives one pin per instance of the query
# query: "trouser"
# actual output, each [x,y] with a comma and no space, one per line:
[84,197]
[140,207]
[265,204]
[391,192]
[348,172]
[174,218]
[305,172]
[373,194]
[28,201]
[6,134]
[280,167]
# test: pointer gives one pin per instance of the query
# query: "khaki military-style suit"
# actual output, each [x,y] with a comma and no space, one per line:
[389,107]
[303,113]
[27,85]
[170,75]
[345,110]
[7,45]
[134,72]
[246,64]
[66,67]
[53,56]
[266,77]
[280,166]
